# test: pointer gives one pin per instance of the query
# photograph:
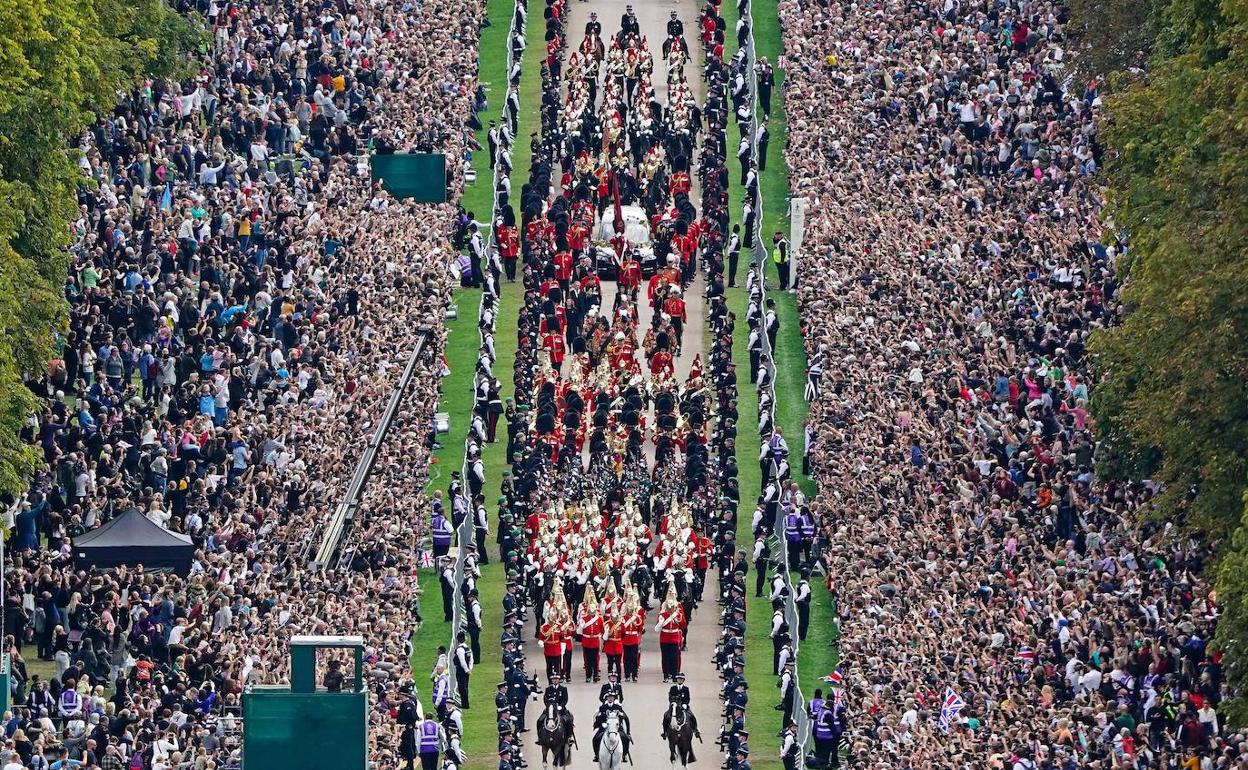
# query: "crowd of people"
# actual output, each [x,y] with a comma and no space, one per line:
[1003,607]
[242,302]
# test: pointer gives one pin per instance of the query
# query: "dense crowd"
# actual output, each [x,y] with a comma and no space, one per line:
[242,302]
[1003,606]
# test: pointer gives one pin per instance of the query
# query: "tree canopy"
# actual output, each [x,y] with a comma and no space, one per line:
[1172,404]
[62,63]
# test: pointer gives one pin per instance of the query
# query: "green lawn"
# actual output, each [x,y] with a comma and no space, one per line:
[815,658]
[761,719]
[492,67]
[480,738]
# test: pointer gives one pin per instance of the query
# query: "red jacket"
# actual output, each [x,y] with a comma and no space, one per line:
[552,640]
[591,632]
[674,631]
[632,628]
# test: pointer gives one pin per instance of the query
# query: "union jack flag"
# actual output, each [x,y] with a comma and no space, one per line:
[1026,656]
[835,679]
[950,709]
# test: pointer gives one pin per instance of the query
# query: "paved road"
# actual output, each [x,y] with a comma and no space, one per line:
[646,700]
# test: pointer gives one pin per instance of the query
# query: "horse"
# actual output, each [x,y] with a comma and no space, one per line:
[680,727]
[611,747]
[555,735]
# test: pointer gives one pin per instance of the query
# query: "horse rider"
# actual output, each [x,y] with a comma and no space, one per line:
[555,697]
[612,686]
[605,712]
[678,693]
[678,696]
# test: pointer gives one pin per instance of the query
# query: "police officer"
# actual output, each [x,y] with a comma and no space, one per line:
[605,711]
[790,749]
[409,718]
[454,719]
[779,633]
[454,750]
[788,689]
[472,622]
[679,692]
[555,696]
[463,661]
[446,579]
[612,686]
[801,598]
[675,27]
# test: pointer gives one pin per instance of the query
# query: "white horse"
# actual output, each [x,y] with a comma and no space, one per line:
[611,749]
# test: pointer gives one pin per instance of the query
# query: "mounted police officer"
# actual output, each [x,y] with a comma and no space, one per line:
[555,696]
[609,708]
[612,686]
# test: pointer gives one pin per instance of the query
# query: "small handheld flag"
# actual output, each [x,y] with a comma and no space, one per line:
[949,710]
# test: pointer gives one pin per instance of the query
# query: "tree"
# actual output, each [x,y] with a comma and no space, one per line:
[1173,400]
[61,63]
[1232,634]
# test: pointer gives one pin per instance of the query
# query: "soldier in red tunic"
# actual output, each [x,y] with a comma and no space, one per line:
[590,627]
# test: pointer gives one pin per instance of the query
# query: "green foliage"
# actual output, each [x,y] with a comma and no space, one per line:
[1172,404]
[61,61]
[1111,36]
[1232,634]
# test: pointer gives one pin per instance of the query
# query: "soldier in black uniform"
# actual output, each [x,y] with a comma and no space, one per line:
[593,27]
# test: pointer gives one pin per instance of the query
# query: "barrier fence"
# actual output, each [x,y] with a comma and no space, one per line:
[759,256]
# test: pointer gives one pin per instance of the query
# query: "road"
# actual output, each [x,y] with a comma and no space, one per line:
[646,700]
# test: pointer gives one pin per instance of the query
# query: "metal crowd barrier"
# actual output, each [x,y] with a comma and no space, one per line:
[344,512]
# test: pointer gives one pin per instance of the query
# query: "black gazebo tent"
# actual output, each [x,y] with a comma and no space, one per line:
[133,539]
